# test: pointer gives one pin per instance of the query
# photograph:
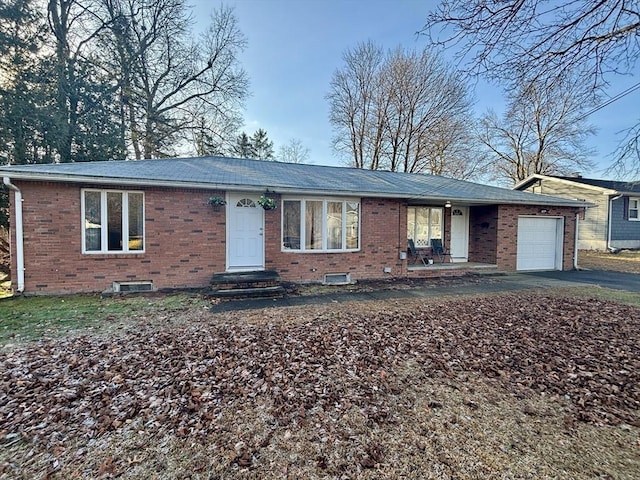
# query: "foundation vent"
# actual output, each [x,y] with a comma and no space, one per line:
[143,286]
[337,279]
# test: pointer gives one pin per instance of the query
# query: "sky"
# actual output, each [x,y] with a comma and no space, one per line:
[295,46]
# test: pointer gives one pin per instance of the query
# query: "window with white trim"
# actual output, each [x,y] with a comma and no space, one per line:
[113,221]
[423,224]
[319,225]
[634,209]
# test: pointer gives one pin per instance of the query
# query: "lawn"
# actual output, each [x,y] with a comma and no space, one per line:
[533,385]
[29,318]
[623,261]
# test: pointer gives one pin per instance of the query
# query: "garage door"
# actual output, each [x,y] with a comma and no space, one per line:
[539,243]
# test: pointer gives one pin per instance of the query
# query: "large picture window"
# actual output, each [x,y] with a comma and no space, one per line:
[423,224]
[113,221]
[320,225]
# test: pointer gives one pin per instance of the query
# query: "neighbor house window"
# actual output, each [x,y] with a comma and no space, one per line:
[423,224]
[634,208]
[317,225]
[113,221]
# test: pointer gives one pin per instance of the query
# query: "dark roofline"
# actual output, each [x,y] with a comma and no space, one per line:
[617,185]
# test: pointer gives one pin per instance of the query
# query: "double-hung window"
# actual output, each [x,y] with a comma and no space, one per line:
[112,221]
[634,209]
[317,225]
[423,224]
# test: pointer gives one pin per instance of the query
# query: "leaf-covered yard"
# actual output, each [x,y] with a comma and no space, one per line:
[505,386]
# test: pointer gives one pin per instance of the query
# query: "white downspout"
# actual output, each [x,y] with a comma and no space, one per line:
[575,246]
[19,233]
[609,247]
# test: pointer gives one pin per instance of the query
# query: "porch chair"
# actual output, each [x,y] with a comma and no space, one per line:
[438,249]
[414,253]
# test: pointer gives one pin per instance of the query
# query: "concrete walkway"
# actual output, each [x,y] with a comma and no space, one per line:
[495,283]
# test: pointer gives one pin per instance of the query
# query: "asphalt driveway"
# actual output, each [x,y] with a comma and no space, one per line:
[603,278]
[495,283]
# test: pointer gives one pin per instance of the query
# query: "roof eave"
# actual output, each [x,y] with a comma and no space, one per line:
[137,182]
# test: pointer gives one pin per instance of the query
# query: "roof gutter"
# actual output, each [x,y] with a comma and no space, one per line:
[19,233]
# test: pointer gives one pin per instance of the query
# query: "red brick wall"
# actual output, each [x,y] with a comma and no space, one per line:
[507,229]
[184,242]
[483,223]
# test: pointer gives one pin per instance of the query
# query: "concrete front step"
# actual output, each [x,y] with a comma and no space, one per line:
[274,291]
[263,283]
[245,277]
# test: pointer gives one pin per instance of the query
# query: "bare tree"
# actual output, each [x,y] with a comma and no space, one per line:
[169,80]
[213,133]
[455,150]
[293,152]
[427,114]
[396,111]
[352,102]
[627,155]
[525,41]
[84,98]
[61,15]
[543,130]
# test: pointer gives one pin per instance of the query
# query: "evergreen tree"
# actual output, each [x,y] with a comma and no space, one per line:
[4,206]
[244,147]
[262,146]
[25,90]
[98,135]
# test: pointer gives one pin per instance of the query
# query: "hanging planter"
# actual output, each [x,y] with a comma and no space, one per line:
[216,202]
[267,203]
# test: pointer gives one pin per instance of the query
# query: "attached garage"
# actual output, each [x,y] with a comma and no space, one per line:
[540,241]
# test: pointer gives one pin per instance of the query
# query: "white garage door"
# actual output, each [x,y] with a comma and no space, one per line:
[539,243]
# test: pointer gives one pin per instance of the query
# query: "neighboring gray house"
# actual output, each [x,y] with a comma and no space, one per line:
[614,220]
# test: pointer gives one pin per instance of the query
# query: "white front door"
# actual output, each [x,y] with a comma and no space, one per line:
[459,245]
[245,232]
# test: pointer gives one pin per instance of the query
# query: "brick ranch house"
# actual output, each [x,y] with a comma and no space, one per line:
[86,227]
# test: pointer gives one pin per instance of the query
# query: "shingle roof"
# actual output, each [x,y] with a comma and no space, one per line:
[608,184]
[255,175]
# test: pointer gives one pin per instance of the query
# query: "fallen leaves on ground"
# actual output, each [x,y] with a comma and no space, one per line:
[295,362]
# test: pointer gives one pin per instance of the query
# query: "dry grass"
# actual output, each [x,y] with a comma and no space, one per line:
[434,423]
[463,427]
[623,261]
[5,285]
